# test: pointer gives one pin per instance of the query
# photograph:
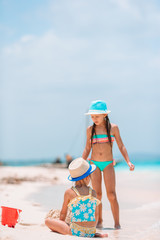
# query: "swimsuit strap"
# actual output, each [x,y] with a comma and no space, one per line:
[90,191]
[75,190]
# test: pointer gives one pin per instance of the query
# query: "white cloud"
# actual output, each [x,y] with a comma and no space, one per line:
[26,38]
[91,50]
[129,7]
[49,60]
[155,62]
[45,58]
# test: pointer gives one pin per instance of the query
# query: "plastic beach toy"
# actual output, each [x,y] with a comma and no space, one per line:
[10,216]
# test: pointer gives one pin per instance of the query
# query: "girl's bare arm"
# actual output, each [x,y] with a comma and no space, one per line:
[97,214]
[63,211]
[121,146]
[88,144]
[97,208]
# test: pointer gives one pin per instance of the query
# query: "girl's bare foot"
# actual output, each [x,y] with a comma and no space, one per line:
[101,235]
[117,226]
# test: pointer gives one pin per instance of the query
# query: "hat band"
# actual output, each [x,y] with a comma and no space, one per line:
[83,176]
[94,110]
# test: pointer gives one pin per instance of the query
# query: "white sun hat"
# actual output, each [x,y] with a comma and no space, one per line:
[79,169]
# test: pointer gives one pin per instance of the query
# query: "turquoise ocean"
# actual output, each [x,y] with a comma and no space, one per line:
[140,160]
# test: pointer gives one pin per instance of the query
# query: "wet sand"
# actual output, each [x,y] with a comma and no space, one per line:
[138,195]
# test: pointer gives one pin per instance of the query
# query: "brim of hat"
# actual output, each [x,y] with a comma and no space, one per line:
[97,112]
[93,168]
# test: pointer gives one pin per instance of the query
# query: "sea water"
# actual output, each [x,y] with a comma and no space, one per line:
[52,196]
[140,160]
[27,162]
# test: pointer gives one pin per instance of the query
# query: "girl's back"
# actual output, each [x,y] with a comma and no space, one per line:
[83,206]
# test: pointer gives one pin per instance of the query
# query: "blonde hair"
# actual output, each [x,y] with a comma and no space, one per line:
[82,181]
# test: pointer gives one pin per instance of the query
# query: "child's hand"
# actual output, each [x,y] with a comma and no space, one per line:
[131,166]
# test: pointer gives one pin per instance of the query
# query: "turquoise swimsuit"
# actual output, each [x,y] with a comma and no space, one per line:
[101,138]
[83,210]
[83,207]
[101,165]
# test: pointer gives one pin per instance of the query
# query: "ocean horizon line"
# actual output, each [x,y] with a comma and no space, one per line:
[138,158]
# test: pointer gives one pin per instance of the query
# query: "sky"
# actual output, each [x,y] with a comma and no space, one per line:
[57,56]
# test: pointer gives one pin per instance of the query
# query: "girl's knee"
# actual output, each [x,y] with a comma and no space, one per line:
[112,196]
[47,221]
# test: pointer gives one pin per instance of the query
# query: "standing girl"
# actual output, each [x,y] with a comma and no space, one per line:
[100,138]
[82,202]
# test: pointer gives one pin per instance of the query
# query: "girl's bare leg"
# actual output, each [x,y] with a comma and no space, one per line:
[109,180]
[96,178]
[58,226]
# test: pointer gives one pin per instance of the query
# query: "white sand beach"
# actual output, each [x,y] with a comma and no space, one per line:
[138,195]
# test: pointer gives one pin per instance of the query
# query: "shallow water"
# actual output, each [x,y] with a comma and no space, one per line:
[146,187]
[139,200]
